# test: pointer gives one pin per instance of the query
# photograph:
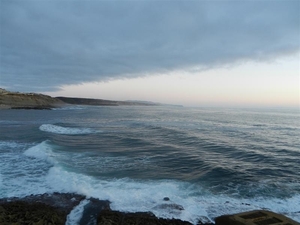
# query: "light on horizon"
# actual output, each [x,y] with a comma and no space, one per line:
[248,84]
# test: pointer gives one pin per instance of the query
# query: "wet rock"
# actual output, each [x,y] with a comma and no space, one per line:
[38,209]
[140,218]
[262,217]
[246,204]
[63,201]
[92,210]
[20,212]
[166,199]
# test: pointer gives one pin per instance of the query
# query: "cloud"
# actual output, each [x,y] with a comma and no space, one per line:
[47,44]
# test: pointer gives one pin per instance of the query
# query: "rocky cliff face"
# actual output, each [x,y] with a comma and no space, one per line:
[16,100]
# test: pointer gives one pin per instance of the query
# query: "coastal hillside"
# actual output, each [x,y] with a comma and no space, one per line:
[91,101]
[17,100]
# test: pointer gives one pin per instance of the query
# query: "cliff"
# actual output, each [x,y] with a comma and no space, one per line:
[16,100]
[99,102]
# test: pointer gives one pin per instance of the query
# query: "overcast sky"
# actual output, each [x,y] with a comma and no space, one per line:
[48,46]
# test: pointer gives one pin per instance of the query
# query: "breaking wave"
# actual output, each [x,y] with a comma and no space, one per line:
[66,130]
[134,195]
[42,151]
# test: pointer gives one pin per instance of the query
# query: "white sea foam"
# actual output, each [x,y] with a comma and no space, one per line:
[1,180]
[21,176]
[66,130]
[75,215]
[132,196]
[70,108]
[9,145]
[41,151]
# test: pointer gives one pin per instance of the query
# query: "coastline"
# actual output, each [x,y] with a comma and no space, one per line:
[63,208]
[70,209]
[18,100]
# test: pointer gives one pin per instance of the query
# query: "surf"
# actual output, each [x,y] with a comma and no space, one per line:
[51,128]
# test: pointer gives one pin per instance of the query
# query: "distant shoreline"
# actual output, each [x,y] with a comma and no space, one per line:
[17,100]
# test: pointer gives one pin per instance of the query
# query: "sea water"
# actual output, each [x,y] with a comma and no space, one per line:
[208,161]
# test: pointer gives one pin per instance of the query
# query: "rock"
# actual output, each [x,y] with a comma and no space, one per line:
[38,209]
[246,204]
[166,199]
[16,100]
[92,210]
[20,212]
[256,217]
[63,201]
[3,91]
[140,218]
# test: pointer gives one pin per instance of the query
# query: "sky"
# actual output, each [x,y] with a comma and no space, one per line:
[192,53]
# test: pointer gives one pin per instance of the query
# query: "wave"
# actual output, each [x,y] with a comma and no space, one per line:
[1,180]
[135,195]
[4,145]
[77,107]
[66,130]
[42,151]
[76,214]
[20,175]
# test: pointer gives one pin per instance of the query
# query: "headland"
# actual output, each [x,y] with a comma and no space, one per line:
[18,100]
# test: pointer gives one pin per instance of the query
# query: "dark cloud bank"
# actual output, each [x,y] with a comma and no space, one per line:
[45,44]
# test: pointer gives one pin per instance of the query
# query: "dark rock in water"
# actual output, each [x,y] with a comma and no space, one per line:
[53,209]
[92,210]
[141,218]
[246,204]
[166,199]
[171,206]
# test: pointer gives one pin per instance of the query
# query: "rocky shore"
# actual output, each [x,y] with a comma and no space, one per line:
[55,208]
[71,209]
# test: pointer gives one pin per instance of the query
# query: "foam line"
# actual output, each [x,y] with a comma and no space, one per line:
[51,128]
[75,215]
[41,151]
[133,196]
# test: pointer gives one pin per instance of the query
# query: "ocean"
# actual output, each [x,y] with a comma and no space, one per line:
[207,161]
